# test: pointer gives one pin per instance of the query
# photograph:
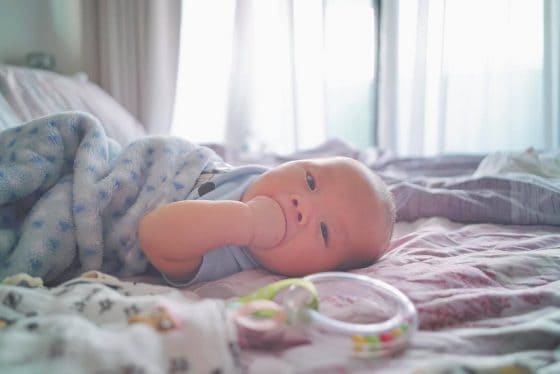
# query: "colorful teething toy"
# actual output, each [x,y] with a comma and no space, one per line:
[263,320]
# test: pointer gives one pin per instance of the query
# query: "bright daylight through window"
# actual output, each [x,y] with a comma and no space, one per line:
[307,73]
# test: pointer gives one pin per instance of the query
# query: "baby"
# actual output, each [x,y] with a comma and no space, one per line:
[295,219]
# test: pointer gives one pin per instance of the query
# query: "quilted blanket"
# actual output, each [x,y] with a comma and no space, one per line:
[71,198]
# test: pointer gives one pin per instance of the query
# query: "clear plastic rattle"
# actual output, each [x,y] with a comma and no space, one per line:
[264,316]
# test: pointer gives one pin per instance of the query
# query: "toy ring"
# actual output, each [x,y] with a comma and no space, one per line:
[261,319]
[374,338]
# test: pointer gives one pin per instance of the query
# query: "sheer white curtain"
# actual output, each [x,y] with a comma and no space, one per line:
[131,49]
[468,76]
[276,75]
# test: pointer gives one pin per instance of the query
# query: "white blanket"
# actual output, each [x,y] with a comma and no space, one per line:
[105,326]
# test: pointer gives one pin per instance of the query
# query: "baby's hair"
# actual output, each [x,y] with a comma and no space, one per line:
[390,209]
[387,202]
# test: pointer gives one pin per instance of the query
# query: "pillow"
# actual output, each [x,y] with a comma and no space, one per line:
[27,93]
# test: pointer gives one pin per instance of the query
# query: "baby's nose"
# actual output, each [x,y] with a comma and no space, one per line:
[301,208]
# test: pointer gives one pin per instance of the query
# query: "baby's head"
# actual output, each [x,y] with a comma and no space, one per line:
[339,215]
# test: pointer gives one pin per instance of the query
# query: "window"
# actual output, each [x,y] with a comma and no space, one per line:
[308,73]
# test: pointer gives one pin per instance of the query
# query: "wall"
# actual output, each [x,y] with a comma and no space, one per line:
[52,26]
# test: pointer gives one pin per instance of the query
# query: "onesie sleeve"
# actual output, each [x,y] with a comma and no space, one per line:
[217,264]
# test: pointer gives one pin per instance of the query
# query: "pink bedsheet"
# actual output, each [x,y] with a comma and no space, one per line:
[488,298]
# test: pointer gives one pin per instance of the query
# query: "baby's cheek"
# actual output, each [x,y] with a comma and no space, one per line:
[301,255]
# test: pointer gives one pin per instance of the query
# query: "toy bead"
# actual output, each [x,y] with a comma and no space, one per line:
[396,332]
[358,339]
[386,337]
[373,339]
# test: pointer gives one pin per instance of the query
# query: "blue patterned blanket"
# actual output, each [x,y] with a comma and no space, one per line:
[71,198]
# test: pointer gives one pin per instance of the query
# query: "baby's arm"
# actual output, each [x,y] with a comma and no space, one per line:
[175,236]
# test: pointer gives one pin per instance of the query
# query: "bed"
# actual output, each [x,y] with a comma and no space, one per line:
[27,93]
[476,247]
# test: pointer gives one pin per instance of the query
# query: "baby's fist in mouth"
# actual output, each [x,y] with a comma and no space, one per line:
[268,221]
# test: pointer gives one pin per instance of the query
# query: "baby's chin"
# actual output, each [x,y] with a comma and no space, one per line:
[273,261]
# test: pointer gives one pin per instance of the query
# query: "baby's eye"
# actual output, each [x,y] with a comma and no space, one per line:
[310,181]
[324,233]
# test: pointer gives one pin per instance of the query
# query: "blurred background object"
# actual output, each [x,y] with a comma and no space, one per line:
[40,60]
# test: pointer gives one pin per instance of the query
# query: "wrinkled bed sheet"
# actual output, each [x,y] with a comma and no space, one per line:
[488,294]
[477,250]
[488,298]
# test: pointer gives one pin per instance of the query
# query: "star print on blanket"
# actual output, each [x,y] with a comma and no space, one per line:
[71,199]
[108,326]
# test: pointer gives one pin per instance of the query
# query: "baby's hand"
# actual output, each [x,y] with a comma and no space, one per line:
[268,221]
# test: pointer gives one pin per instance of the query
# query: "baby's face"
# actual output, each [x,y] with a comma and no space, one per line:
[333,215]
